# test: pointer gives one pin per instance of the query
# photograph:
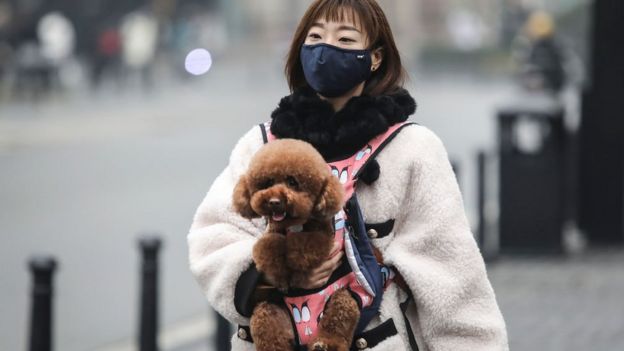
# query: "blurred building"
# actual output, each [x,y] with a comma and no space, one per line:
[453,22]
[433,35]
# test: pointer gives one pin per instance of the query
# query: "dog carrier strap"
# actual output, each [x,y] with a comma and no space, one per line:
[263,129]
[381,141]
[408,327]
[347,170]
[266,132]
[374,336]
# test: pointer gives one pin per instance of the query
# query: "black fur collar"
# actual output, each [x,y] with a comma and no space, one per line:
[303,115]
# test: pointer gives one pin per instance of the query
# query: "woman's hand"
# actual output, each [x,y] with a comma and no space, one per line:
[320,275]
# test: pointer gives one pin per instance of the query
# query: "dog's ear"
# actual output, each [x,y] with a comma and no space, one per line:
[241,199]
[331,198]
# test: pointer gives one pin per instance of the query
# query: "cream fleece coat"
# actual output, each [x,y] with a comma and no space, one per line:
[431,245]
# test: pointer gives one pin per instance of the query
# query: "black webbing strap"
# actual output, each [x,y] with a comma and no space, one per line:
[408,326]
[265,136]
[373,337]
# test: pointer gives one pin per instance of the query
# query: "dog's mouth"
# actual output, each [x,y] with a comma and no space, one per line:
[278,216]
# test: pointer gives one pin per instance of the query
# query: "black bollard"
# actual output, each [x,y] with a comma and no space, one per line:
[42,269]
[148,335]
[224,333]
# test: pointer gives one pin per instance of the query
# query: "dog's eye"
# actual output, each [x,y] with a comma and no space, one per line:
[292,182]
[267,183]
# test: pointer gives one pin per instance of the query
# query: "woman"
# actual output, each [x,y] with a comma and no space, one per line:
[346,78]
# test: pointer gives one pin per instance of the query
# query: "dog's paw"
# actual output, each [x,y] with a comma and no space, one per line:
[279,281]
[271,329]
[269,256]
[329,344]
[319,346]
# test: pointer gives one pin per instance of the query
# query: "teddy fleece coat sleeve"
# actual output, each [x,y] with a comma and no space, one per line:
[220,241]
[435,252]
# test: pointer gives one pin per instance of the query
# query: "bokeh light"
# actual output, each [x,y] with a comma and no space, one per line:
[198,62]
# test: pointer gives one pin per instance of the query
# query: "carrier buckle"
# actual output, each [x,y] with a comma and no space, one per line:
[361,344]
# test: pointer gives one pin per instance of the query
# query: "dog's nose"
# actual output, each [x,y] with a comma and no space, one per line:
[274,202]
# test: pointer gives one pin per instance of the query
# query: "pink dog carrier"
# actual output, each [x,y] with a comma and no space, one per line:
[361,274]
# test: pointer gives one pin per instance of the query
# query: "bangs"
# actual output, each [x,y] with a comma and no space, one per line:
[348,11]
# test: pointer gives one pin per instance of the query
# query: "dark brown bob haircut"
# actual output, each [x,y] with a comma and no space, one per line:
[388,78]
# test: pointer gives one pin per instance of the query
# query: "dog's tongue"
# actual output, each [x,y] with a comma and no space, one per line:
[279,217]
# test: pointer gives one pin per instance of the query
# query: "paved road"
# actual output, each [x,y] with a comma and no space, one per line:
[556,304]
[81,178]
[572,303]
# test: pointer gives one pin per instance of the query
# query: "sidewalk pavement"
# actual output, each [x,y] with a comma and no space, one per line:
[573,303]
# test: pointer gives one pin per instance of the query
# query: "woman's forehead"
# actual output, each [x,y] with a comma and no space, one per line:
[340,16]
[337,26]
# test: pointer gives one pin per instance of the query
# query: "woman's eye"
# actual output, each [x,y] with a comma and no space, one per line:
[292,182]
[314,36]
[347,40]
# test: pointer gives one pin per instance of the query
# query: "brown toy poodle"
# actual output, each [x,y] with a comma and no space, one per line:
[290,185]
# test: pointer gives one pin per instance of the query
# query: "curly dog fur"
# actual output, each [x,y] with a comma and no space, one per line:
[289,184]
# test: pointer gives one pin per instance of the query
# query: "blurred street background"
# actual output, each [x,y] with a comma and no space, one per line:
[116,116]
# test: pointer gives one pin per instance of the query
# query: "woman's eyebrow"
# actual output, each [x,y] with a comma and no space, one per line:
[343,27]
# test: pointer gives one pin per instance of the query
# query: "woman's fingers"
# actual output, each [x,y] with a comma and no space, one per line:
[329,266]
[319,283]
[335,262]
[321,274]
[337,259]
[325,270]
[335,248]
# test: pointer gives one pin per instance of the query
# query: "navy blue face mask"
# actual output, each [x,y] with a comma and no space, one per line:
[332,71]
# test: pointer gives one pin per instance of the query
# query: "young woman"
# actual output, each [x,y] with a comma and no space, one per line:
[346,79]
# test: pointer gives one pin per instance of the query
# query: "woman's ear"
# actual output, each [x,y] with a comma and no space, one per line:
[241,199]
[331,199]
[376,58]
